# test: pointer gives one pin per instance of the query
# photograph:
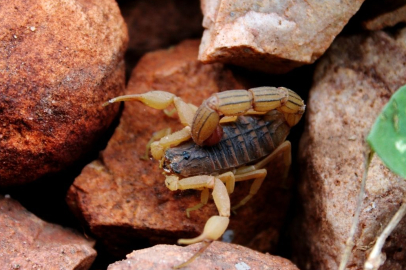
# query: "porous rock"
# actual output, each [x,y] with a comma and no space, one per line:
[28,242]
[352,83]
[59,60]
[274,36]
[218,255]
[124,199]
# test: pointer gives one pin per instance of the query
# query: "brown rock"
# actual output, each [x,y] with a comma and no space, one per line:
[387,19]
[30,243]
[218,255]
[124,198]
[269,37]
[58,62]
[157,24]
[353,81]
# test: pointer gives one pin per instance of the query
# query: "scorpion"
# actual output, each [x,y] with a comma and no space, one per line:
[231,137]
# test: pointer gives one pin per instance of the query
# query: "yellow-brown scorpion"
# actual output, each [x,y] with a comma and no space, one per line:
[231,137]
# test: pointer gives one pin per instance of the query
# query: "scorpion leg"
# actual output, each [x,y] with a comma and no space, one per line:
[256,172]
[259,176]
[176,138]
[158,148]
[229,179]
[215,225]
[284,148]
[204,197]
[155,136]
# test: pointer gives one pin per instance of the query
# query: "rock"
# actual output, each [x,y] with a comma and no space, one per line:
[157,24]
[58,62]
[273,37]
[218,255]
[28,242]
[124,200]
[352,83]
[386,19]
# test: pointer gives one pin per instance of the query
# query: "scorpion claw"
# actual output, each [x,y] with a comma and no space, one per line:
[157,151]
[106,103]
[171,182]
[213,230]
[154,99]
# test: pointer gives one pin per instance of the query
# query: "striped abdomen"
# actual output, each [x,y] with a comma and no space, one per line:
[244,141]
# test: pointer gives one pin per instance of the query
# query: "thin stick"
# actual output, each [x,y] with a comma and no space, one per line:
[350,241]
[374,259]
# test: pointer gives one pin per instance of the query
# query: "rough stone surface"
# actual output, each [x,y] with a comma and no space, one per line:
[30,243]
[157,24]
[274,36]
[352,83]
[218,255]
[387,19]
[58,62]
[123,198]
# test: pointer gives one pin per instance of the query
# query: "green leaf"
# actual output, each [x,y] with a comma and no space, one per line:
[388,134]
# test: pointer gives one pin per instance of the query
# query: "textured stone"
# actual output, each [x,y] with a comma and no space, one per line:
[58,62]
[352,83]
[218,255]
[274,36]
[157,24]
[387,19]
[123,198]
[30,243]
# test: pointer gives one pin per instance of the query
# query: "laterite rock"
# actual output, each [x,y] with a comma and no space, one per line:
[273,37]
[218,255]
[352,83]
[59,60]
[157,24]
[28,242]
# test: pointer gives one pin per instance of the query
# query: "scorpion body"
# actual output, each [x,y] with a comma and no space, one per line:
[212,153]
[245,141]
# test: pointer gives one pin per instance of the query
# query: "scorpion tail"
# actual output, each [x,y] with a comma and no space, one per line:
[205,122]
[293,109]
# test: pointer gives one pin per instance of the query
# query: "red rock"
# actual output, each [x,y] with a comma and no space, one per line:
[352,83]
[123,198]
[30,243]
[157,24]
[218,255]
[59,61]
[272,36]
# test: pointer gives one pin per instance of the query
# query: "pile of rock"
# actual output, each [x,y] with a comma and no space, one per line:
[60,61]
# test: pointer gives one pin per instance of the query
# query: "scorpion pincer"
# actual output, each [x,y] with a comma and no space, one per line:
[231,137]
